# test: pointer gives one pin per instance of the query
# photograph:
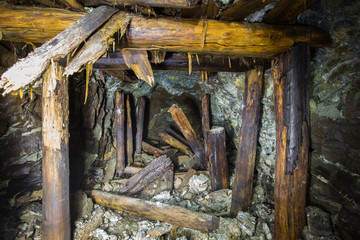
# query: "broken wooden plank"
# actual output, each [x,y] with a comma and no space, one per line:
[291,95]
[34,24]
[188,132]
[180,62]
[157,211]
[146,176]
[140,124]
[218,165]
[175,143]
[129,133]
[120,133]
[29,69]
[98,44]
[94,222]
[146,3]
[151,149]
[138,61]
[55,161]
[176,135]
[248,139]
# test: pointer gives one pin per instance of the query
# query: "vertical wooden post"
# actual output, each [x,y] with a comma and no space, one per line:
[120,133]
[129,133]
[55,161]
[216,147]
[140,124]
[291,96]
[246,154]
[188,132]
[205,116]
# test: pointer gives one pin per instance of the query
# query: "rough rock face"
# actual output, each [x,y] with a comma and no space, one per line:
[335,115]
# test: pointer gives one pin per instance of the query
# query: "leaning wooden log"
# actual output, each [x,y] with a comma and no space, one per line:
[291,94]
[143,178]
[55,161]
[94,222]
[180,62]
[98,44]
[157,211]
[129,133]
[176,135]
[34,24]
[230,38]
[216,146]
[188,132]
[120,133]
[146,3]
[30,68]
[175,143]
[151,149]
[140,124]
[248,138]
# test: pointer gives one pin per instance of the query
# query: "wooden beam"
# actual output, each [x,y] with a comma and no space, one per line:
[129,133]
[180,62]
[194,35]
[185,127]
[34,24]
[157,211]
[286,11]
[206,10]
[291,95]
[242,9]
[146,3]
[55,161]
[248,138]
[172,141]
[216,146]
[140,124]
[120,133]
[29,69]
[146,176]
[151,149]
[229,38]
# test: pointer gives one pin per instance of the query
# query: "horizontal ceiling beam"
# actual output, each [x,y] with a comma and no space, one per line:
[146,3]
[171,34]
[180,62]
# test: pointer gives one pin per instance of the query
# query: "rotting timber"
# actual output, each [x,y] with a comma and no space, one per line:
[191,36]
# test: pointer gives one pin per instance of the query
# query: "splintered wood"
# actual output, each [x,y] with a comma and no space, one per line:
[188,132]
[98,44]
[138,61]
[157,211]
[29,69]
[55,161]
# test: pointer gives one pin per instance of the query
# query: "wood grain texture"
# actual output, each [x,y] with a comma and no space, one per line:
[34,24]
[140,124]
[55,161]
[172,141]
[129,133]
[290,189]
[151,149]
[229,38]
[216,146]
[120,133]
[248,138]
[187,130]
[146,176]
[98,44]
[30,68]
[157,211]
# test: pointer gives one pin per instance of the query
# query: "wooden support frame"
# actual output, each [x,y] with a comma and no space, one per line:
[140,124]
[55,161]
[146,3]
[246,154]
[120,133]
[291,96]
